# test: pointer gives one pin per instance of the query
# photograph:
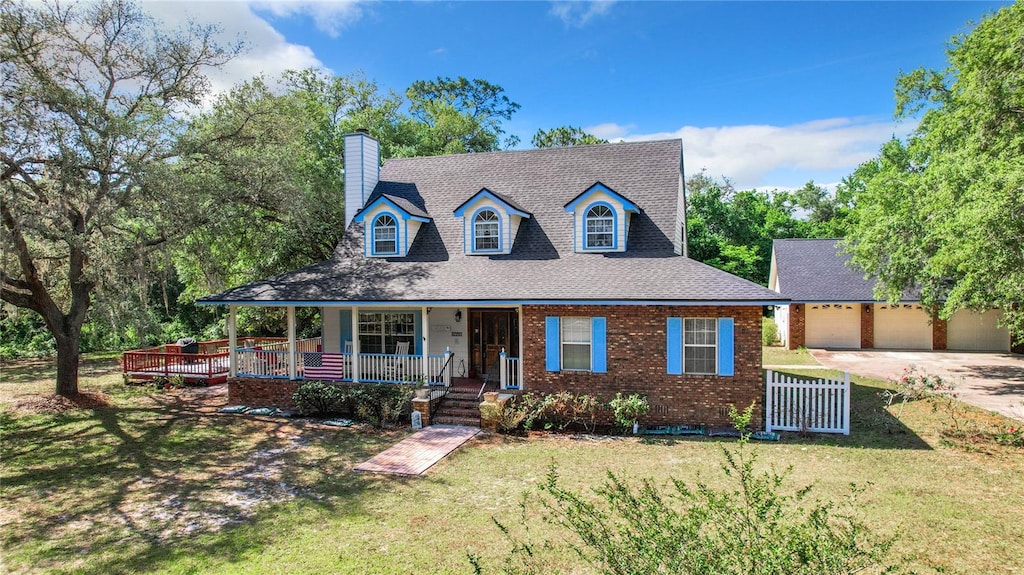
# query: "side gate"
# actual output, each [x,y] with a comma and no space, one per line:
[798,404]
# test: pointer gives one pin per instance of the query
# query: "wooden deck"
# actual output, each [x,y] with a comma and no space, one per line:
[417,453]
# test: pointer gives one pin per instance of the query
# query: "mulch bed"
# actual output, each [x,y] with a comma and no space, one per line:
[59,403]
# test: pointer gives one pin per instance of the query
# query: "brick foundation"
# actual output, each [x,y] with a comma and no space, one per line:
[867,326]
[636,344]
[252,391]
[938,333]
[797,326]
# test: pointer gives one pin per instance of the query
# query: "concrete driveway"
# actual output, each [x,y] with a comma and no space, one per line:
[993,381]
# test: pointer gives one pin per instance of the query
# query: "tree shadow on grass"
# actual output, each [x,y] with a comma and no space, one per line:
[128,489]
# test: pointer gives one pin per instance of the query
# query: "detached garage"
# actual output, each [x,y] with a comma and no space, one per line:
[834,306]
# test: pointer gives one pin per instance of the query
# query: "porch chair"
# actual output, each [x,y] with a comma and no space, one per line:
[395,368]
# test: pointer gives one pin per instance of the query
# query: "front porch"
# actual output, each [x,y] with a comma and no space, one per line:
[426,345]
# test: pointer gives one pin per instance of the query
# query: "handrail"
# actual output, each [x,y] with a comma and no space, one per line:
[483,386]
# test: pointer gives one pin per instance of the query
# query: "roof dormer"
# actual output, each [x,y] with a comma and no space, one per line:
[490,223]
[390,224]
[600,220]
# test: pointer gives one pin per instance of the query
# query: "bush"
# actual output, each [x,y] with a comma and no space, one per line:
[507,416]
[319,398]
[558,410]
[754,526]
[380,404]
[628,409]
[769,331]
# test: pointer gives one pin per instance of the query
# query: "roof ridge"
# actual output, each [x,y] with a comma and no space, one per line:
[553,149]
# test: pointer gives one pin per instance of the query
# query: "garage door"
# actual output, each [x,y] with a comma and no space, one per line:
[902,326]
[832,325]
[973,331]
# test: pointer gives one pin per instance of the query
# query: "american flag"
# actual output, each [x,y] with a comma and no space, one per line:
[323,365]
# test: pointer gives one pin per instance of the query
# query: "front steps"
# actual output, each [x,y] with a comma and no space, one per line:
[460,407]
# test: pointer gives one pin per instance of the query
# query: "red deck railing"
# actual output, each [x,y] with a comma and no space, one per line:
[167,360]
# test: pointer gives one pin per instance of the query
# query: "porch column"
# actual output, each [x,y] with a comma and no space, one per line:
[293,372]
[521,373]
[355,344]
[232,341]
[426,344]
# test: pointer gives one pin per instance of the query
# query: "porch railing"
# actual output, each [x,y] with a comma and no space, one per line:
[167,360]
[373,367]
[510,371]
[269,357]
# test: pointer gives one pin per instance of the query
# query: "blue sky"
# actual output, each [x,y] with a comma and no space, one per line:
[770,94]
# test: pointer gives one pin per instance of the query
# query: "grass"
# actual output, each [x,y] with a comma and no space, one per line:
[778,355]
[154,484]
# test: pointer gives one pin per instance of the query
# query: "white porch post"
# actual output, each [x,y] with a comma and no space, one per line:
[447,369]
[355,344]
[521,372]
[502,369]
[293,371]
[232,341]
[426,344]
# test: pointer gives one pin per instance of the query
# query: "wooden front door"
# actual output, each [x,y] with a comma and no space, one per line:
[490,331]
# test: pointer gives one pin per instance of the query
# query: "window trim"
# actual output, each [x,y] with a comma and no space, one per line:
[562,342]
[373,235]
[615,227]
[383,335]
[473,223]
[714,322]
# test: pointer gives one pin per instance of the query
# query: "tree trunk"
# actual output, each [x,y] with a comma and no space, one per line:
[67,365]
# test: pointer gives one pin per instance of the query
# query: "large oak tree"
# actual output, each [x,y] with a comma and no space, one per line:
[92,97]
[944,211]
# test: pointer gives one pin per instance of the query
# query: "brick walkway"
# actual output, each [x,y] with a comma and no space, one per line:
[418,452]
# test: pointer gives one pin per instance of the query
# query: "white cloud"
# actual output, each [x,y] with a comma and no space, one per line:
[328,16]
[578,13]
[754,155]
[267,51]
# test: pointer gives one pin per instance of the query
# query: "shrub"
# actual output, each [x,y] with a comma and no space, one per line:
[380,404]
[507,416]
[769,331]
[559,410]
[628,409]
[1013,437]
[319,398]
[755,525]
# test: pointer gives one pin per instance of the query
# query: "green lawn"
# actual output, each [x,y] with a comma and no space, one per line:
[777,355]
[159,483]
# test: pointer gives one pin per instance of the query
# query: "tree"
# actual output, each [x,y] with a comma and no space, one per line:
[827,214]
[460,115]
[91,97]
[944,211]
[564,136]
[733,230]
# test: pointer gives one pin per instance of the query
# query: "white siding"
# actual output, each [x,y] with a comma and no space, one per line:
[782,320]
[331,329]
[972,331]
[445,332]
[832,325]
[903,326]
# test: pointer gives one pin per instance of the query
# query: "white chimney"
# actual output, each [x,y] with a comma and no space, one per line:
[362,171]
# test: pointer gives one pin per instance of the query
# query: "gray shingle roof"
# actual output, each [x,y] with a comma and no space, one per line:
[811,270]
[542,265]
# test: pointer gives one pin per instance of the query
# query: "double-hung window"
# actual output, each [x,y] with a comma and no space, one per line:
[381,332]
[576,343]
[700,345]
[600,225]
[385,235]
[485,231]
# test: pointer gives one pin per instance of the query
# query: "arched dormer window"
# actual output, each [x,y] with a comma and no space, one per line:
[600,226]
[385,235]
[486,231]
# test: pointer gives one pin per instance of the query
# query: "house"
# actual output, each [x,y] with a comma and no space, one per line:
[545,270]
[834,306]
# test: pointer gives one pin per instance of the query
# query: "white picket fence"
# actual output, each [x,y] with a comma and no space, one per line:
[798,404]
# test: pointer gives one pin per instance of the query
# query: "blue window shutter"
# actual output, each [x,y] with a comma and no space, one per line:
[552,343]
[674,355]
[598,345]
[725,346]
